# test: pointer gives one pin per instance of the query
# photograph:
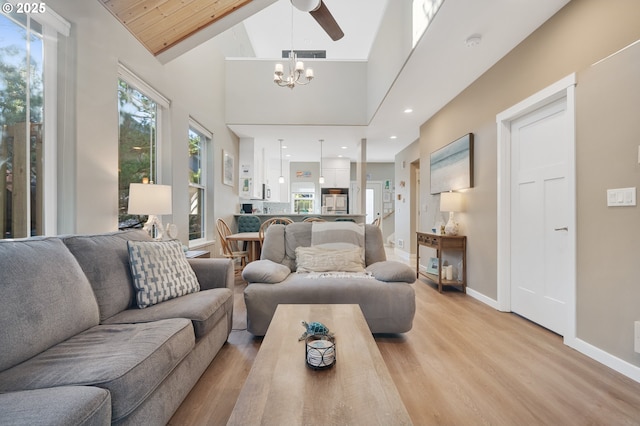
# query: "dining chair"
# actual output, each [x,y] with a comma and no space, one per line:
[313,219]
[230,249]
[269,222]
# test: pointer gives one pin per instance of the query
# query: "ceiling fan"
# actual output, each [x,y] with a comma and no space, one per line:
[321,14]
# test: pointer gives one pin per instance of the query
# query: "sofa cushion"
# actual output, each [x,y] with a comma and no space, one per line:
[324,259]
[160,271]
[373,245]
[387,308]
[281,241]
[337,234]
[392,271]
[129,360]
[265,271]
[104,258]
[204,309]
[63,405]
[45,298]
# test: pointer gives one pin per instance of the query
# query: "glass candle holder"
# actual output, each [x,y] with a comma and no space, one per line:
[320,352]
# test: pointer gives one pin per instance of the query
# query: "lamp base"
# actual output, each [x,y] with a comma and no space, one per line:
[451,228]
[154,227]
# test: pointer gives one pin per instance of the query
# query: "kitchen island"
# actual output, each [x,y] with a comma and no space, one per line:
[358,218]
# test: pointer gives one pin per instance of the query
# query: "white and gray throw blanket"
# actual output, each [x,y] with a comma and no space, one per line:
[338,274]
[337,234]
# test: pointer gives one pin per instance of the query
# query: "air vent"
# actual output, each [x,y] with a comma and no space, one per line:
[304,54]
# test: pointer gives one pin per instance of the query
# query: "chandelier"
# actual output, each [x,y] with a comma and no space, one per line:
[296,73]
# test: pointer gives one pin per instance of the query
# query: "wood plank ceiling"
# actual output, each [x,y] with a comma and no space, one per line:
[161,24]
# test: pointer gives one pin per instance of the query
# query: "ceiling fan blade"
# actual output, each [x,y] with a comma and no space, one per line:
[326,21]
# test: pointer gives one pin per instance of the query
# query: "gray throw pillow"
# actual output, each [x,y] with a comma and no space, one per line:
[390,270]
[160,271]
[265,271]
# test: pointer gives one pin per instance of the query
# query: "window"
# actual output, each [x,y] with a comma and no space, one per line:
[199,139]
[139,108]
[28,94]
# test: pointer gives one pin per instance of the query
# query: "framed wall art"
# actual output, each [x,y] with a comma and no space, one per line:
[227,168]
[452,166]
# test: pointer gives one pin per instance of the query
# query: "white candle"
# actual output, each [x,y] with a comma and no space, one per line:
[449,270]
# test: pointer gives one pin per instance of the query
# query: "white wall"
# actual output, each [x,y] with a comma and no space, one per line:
[253,98]
[404,205]
[388,53]
[89,128]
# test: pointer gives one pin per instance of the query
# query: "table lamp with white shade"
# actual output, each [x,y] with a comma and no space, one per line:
[451,202]
[153,200]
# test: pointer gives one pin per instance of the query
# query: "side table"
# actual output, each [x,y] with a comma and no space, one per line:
[442,243]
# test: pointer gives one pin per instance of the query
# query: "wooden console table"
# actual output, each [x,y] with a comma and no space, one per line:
[442,243]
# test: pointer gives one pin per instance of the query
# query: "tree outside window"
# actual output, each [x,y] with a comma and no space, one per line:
[21,124]
[137,146]
[197,183]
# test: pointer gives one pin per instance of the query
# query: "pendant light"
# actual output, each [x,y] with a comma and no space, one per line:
[281,178]
[321,180]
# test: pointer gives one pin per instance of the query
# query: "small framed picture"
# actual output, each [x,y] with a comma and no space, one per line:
[227,168]
[432,266]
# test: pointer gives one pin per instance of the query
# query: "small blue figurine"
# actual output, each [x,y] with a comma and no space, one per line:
[315,329]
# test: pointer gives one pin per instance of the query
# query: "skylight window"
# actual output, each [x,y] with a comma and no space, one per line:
[423,13]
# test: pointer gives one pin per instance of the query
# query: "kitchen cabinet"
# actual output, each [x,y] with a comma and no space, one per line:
[336,172]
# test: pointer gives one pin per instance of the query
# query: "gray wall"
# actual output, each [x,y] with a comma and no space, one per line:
[607,102]
[580,34]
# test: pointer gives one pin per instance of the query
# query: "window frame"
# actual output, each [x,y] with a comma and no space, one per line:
[163,105]
[53,26]
[204,184]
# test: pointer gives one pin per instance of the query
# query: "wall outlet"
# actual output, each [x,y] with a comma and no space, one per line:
[636,334]
[400,243]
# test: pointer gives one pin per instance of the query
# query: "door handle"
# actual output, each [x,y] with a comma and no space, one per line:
[564,228]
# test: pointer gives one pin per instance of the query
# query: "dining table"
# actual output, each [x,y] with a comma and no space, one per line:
[252,238]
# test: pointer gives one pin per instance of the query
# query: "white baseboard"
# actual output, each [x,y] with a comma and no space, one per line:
[481,297]
[605,358]
[611,361]
[402,254]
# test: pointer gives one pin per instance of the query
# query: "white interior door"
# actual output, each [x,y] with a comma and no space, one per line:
[373,201]
[541,259]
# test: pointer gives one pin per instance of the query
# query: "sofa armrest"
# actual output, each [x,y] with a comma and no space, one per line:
[265,271]
[392,271]
[213,273]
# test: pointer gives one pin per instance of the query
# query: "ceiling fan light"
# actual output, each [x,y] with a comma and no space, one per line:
[306,5]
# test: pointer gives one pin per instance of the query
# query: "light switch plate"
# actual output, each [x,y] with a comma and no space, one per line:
[621,197]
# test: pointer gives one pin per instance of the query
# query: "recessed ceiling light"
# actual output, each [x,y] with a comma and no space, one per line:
[408,110]
[393,137]
[284,147]
[343,147]
[287,155]
[340,156]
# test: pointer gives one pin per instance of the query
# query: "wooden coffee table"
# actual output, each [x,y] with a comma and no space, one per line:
[282,390]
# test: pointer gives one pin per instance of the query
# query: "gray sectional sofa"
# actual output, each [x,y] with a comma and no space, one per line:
[75,348]
[386,295]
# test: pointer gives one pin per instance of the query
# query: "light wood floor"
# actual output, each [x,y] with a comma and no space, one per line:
[463,363]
